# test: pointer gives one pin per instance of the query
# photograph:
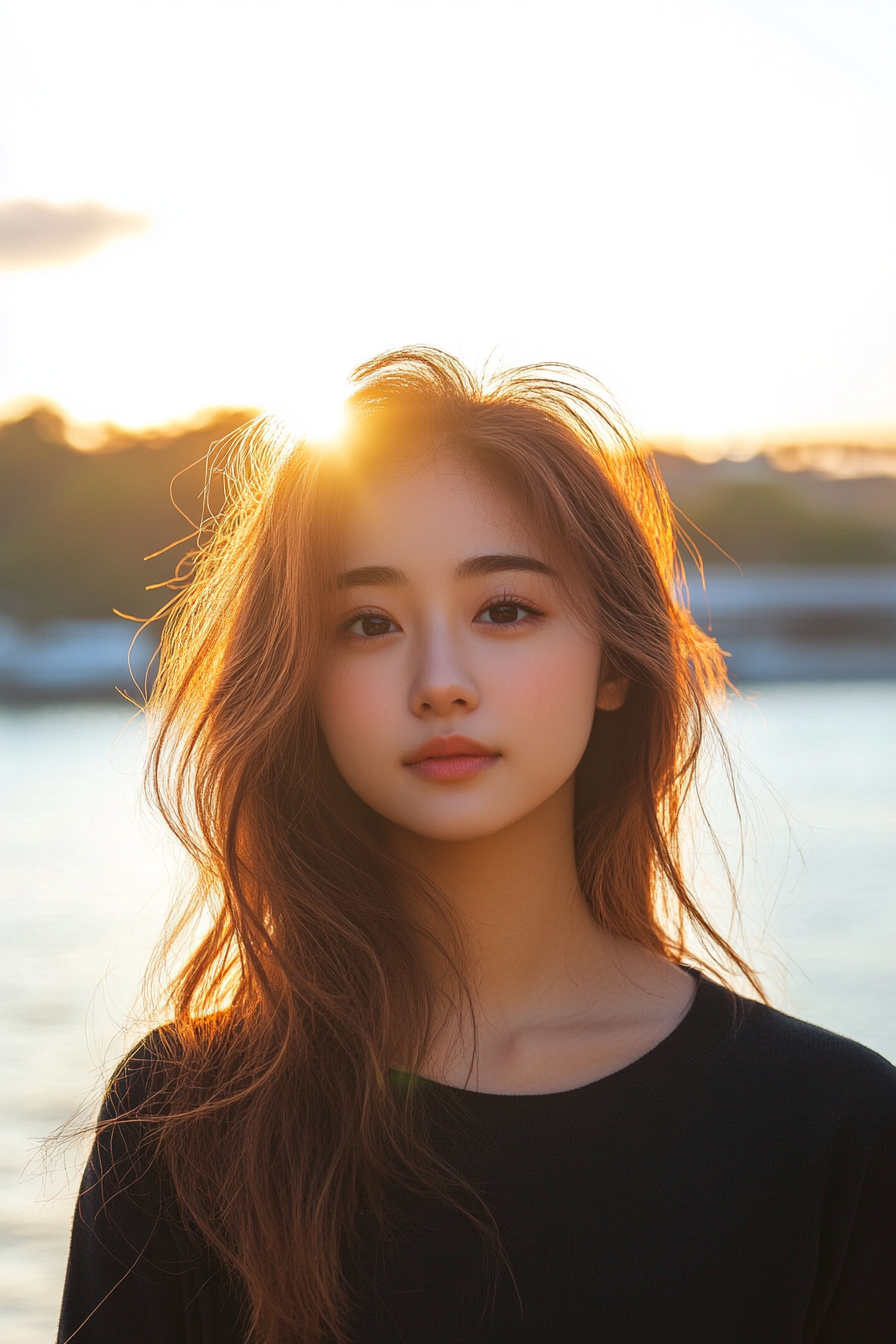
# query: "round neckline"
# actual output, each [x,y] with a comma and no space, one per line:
[530,1119]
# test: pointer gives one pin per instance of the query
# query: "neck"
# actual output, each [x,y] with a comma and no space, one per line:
[556,1001]
[517,901]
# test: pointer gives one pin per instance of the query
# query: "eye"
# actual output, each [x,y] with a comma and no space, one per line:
[368,625]
[507,611]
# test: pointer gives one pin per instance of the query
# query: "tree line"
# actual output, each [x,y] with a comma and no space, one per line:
[76,525]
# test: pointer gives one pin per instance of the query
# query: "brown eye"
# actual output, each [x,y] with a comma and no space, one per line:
[369,625]
[374,625]
[503,613]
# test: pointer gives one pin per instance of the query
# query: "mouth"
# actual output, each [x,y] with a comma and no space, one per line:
[447,758]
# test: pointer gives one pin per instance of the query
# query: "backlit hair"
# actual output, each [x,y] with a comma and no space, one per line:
[281,1123]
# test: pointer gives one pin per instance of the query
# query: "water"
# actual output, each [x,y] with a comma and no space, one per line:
[82,899]
[84,885]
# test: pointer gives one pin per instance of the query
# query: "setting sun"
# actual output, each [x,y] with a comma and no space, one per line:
[318,417]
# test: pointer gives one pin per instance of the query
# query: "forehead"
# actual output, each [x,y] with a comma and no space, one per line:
[436,507]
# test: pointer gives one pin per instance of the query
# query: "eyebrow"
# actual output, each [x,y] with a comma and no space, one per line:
[474,567]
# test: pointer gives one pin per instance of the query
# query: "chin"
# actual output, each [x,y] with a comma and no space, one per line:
[458,829]
[461,834]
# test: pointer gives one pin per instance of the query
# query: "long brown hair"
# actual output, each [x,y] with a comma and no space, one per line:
[282,1125]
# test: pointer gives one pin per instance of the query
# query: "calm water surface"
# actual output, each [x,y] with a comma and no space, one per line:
[85,882]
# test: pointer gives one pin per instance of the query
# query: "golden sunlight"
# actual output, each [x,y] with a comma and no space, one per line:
[317,416]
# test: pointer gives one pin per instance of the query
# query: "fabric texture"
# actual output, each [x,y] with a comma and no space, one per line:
[736,1185]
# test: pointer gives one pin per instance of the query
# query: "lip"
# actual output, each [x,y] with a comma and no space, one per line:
[452,757]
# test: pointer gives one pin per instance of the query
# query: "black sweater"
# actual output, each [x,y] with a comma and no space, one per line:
[737,1184]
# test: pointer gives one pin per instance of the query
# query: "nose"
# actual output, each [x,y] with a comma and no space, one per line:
[443,681]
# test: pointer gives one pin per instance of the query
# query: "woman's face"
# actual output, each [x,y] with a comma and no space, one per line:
[450,625]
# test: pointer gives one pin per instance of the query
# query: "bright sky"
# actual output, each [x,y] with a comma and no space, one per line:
[693,199]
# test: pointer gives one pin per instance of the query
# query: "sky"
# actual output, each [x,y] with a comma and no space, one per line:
[234,203]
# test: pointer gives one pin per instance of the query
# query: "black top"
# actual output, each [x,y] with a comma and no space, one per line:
[736,1185]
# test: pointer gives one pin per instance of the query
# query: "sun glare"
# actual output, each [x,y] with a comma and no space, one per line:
[319,419]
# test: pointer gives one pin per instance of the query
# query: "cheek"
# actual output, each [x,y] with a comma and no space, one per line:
[560,677]
[353,709]
[554,701]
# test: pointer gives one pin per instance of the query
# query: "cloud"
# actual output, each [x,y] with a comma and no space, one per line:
[42,233]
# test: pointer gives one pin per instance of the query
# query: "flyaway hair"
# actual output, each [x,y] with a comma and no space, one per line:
[276,1107]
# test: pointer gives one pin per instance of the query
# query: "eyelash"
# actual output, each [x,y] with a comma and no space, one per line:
[503,599]
[509,599]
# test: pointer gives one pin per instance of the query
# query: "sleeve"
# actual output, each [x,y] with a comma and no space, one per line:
[862,1307]
[134,1274]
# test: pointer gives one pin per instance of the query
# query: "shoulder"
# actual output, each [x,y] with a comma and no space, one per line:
[162,1078]
[805,1067]
[816,1054]
[125,1154]
[165,1058]
[137,1087]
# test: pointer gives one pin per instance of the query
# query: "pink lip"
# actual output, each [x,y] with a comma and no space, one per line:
[452,757]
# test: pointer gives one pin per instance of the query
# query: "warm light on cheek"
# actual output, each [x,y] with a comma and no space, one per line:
[351,700]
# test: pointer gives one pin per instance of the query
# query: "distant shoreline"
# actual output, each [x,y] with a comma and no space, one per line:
[779,623]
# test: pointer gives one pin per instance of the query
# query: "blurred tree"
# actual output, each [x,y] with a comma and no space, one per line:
[76,525]
[766,522]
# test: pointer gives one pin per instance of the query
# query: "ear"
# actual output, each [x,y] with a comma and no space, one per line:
[612,692]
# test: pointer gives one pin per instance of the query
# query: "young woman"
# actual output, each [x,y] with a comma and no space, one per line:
[441,1064]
